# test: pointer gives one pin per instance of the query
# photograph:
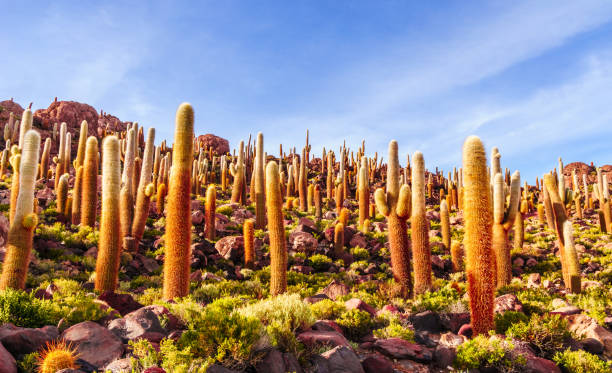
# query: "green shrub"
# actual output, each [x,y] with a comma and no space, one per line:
[359,253]
[170,357]
[488,353]
[320,262]
[395,329]
[226,210]
[503,321]
[282,316]
[547,334]
[327,309]
[581,362]
[355,323]
[23,309]
[435,300]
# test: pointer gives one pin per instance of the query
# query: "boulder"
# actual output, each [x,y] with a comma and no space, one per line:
[340,359]
[95,344]
[585,326]
[7,361]
[123,303]
[303,242]
[356,303]
[397,348]
[231,248]
[21,341]
[327,338]
[377,364]
[119,366]
[507,302]
[335,289]
[142,323]
[218,144]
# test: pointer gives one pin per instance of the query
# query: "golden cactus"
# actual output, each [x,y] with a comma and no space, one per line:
[303,182]
[89,192]
[445,225]
[259,173]
[126,201]
[503,219]
[62,195]
[317,202]
[276,229]
[249,243]
[395,205]
[456,256]
[15,163]
[57,356]
[109,248]
[421,254]
[210,210]
[44,159]
[21,231]
[571,259]
[80,158]
[75,212]
[145,188]
[178,227]
[479,257]
[338,240]
[363,192]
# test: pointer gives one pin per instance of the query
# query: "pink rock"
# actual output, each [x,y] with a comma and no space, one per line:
[585,326]
[316,337]
[96,345]
[397,348]
[377,364]
[335,289]
[21,341]
[231,248]
[356,303]
[508,302]
[218,144]
[7,361]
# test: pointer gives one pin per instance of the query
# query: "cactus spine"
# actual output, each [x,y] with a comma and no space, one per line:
[89,192]
[395,205]
[276,229]
[21,231]
[210,207]
[107,264]
[248,233]
[421,253]
[145,188]
[259,173]
[178,227]
[477,240]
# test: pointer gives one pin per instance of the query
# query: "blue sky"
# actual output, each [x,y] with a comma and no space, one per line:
[531,77]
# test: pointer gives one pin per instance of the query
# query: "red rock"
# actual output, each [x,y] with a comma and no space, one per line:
[536,364]
[356,303]
[585,326]
[327,326]
[123,303]
[7,361]
[314,337]
[377,364]
[466,330]
[154,370]
[231,248]
[21,341]
[397,348]
[219,145]
[339,359]
[95,344]
[508,302]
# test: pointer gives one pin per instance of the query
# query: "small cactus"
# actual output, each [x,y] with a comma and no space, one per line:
[445,225]
[338,240]
[210,207]
[248,234]
[57,356]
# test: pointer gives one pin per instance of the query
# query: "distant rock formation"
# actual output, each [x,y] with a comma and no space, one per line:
[219,145]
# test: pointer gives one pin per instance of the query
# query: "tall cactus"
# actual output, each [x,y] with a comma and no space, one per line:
[303,182]
[477,240]
[126,202]
[178,227]
[82,144]
[145,188]
[571,259]
[109,251]
[21,231]
[421,253]
[395,205]
[445,225]
[44,159]
[210,207]
[77,193]
[248,233]
[15,184]
[237,171]
[89,193]
[62,195]
[503,219]
[559,219]
[259,173]
[25,126]
[276,229]
[339,240]
[363,192]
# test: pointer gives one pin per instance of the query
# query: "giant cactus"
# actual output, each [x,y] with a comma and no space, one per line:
[259,173]
[210,206]
[363,192]
[145,188]
[21,231]
[89,192]
[395,205]
[178,227]
[477,240]
[421,254]
[503,219]
[109,249]
[276,229]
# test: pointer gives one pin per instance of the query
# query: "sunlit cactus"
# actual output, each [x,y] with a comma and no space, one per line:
[178,217]
[146,189]
[479,257]
[89,192]
[210,207]
[109,248]
[21,230]
[421,253]
[276,229]
[248,233]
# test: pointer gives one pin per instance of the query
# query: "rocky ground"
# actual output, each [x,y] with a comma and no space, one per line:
[341,313]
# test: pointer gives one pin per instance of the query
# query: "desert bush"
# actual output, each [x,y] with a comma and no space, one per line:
[355,323]
[327,309]
[546,334]
[484,352]
[581,361]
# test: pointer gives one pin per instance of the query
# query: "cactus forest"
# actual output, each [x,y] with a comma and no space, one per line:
[124,253]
